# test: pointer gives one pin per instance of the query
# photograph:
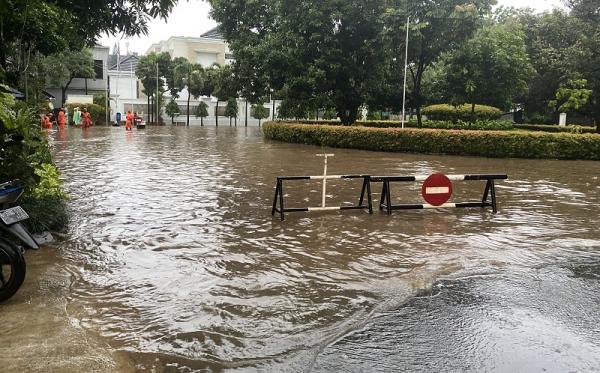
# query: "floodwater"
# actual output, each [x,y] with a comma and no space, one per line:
[173,263]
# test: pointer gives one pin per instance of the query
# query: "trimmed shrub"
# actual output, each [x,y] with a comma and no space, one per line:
[555,128]
[480,125]
[500,144]
[96,112]
[462,112]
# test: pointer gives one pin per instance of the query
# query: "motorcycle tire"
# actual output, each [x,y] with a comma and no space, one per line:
[12,269]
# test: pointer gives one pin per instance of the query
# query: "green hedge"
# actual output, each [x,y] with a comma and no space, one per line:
[501,144]
[96,112]
[461,112]
[497,125]
[555,128]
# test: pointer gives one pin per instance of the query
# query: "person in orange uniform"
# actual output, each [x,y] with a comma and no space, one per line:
[129,121]
[87,120]
[47,123]
[62,120]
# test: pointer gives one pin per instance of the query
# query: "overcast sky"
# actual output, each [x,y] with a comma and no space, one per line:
[190,18]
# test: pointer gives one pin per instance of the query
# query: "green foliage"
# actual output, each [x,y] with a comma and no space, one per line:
[491,68]
[500,144]
[464,112]
[572,96]
[25,155]
[201,110]
[23,147]
[63,67]
[555,128]
[260,112]
[97,112]
[49,184]
[172,109]
[479,125]
[231,110]
[45,214]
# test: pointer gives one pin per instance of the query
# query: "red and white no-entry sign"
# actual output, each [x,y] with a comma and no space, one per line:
[437,189]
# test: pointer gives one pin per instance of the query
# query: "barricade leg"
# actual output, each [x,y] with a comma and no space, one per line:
[383,194]
[282,209]
[388,197]
[276,197]
[493,191]
[369,195]
[362,193]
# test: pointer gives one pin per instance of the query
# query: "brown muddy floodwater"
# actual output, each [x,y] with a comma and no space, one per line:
[173,263]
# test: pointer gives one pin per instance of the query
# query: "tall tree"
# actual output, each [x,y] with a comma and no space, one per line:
[325,50]
[64,67]
[436,27]
[588,12]
[492,68]
[225,85]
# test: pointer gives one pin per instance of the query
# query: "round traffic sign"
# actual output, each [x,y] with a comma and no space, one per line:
[437,189]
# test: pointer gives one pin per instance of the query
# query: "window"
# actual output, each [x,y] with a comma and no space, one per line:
[99,69]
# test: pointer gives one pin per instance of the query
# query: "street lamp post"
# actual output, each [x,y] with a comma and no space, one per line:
[157,99]
[405,73]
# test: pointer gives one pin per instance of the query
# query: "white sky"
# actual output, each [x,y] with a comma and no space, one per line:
[190,18]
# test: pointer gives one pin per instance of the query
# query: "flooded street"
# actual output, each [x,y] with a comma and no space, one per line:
[173,263]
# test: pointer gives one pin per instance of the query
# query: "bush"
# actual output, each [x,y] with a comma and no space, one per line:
[497,125]
[555,128]
[462,112]
[501,144]
[97,112]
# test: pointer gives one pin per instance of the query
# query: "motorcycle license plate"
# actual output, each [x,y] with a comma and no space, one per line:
[13,215]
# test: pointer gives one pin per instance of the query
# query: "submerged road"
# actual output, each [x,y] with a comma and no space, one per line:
[174,264]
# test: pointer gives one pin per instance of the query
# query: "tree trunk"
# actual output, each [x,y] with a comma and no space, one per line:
[201,121]
[246,119]
[259,122]
[348,115]
[188,109]
[597,120]
[229,121]
[172,121]
[473,112]
[217,114]
[149,111]
[64,91]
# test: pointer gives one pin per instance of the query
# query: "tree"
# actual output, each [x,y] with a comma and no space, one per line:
[260,112]
[33,28]
[172,109]
[64,67]
[225,85]
[588,12]
[333,55]
[553,46]
[196,85]
[436,27]
[201,112]
[231,110]
[492,68]
[571,96]
[150,68]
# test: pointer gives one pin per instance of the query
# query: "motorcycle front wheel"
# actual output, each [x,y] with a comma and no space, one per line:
[12,269]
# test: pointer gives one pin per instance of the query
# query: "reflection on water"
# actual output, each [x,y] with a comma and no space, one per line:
[174,261]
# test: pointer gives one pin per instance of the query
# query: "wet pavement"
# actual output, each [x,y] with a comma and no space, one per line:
[173,263]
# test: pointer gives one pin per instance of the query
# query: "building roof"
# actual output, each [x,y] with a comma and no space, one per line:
[214,33]
[124,63]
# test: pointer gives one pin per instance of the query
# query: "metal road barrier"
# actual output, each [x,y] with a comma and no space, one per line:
[437,190]
[278,204]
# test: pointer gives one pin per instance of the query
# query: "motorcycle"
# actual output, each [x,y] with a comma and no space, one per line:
[13,236]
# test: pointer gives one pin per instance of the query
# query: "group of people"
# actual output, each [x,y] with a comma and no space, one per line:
[80,118]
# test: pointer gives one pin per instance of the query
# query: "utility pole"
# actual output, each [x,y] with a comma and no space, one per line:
[405,73]
[157,100]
